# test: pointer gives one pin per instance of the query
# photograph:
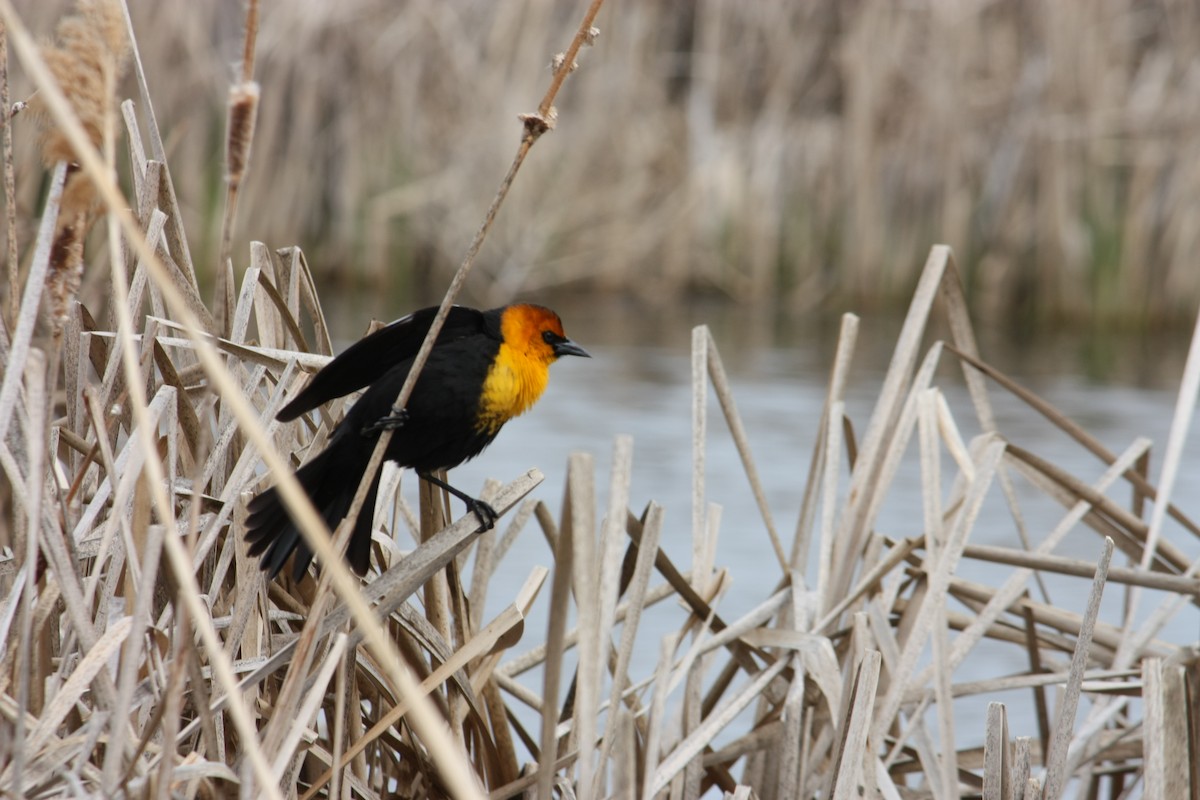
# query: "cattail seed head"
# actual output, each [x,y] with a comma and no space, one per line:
[87,61]
[243,111]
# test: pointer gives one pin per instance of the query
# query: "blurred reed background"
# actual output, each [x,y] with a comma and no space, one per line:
[803,151]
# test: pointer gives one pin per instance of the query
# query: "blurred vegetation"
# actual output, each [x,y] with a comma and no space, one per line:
[774,150]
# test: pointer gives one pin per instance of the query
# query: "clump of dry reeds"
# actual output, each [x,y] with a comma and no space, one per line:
[144,654]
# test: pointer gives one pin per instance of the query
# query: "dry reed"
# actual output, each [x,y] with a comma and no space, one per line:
[145,655]
[12,263]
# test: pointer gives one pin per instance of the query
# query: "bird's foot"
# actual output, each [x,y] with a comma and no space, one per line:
[481,509]
[391,422]
[487,515]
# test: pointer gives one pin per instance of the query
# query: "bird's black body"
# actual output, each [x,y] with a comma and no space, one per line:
[441,427]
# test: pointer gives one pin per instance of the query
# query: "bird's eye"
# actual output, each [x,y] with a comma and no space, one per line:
[548,337]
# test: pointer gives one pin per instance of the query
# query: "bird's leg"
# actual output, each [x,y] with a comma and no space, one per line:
[486,514]
[391,422]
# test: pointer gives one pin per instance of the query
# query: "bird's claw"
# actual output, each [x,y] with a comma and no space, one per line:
[391,422]
[486,514]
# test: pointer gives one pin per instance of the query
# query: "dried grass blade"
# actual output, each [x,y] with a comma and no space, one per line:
[953,439]
[307,291]
[1090,443]
[185,412]
[155,221]
[855,726]
[280,307]
[188,293]
[27,542]
[689,780]
[647,548]
[1165,734]
[147,202]
[137,153]
[178,238]
[486,662]
[748,627]
[720,381]
[831,468]
[495,634]
[1185,409]
[88,668]
[310,705]
[239,325]
[1132,531]
[698,605]
[818,464]
[253,354]
[35,281]
[700,342]
[714,723]
[963,334]
[1106,636]
[900,551]
[611,536]
[1022,759]
[537,654]
[8,611]
[555,644]
[936,545]
[1012,587]
[658,713]
[791,743]
[592,652]
[245,592]
[853,528]
[1079,568]
[1056,759]
[9,316]
[1139,642]
[897,446]
[944,699]
[271,330]
[75,378]
[997,769]
[147,576]
[989,454]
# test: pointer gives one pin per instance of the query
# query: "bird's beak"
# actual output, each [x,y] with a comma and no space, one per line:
[568,348]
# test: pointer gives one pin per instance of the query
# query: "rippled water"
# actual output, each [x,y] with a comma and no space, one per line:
[1117,388]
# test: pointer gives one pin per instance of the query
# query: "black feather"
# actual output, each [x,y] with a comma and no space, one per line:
[371,357]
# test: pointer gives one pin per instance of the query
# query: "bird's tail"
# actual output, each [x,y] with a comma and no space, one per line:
[330,480]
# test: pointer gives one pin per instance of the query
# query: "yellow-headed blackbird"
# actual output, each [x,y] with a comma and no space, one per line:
[485,368]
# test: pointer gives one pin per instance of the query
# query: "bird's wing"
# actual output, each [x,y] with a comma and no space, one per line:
[369,358]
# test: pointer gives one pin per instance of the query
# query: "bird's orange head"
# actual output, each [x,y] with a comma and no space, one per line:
[531,339]
[537,333]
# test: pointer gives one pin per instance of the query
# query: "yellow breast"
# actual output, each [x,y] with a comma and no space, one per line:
[513,384]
